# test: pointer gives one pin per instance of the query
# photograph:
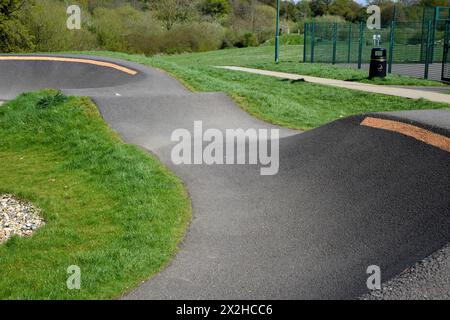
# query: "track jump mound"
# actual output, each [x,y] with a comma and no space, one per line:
[26,73]
[370,190]
[349,195]
[354,193]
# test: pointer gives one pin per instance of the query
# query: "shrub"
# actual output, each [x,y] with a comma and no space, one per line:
[127,29]
[288,39]
[264,23]
[147,27]
[14,37]
[46,22]
[194,37]
[51,100]
[109,27]
[246,39]
[13,34]
[215,8]
[230,39]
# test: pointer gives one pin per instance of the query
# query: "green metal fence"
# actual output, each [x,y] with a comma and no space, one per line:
[412,46]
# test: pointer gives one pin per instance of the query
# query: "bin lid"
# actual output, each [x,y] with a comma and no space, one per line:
[378,52]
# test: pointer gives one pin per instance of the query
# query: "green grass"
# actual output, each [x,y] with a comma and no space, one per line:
[296,105]
[290,55]
[110,208]
[263,58]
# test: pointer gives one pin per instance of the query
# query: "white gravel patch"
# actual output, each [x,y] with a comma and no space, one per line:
[17,217]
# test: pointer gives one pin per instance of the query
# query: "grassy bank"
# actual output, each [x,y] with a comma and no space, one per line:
[297,105]
[110,208]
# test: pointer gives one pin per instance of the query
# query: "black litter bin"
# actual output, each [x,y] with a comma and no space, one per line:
[377,63]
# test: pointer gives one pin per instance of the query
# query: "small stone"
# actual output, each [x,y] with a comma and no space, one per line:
[17,217]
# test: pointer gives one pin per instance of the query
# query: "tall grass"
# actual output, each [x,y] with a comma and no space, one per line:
[111,208]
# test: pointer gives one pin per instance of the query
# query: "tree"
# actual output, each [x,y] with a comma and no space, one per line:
[287,10]
[263,22]
[320,7]
[171,12]
[13,35]
[434,3]
[215,8]
[9,9]
[348,9]
[302,10]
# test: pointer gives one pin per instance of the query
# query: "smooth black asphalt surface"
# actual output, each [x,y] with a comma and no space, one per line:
[346,196]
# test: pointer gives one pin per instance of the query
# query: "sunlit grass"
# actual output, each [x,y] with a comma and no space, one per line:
[111,208]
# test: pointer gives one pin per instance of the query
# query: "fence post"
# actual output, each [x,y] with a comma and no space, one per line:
[361,36]
[333,60]
[305,40]
[277,35]
[391,46]
[422,44]
[433,33]
[349,42]
[313,31]
[428,49]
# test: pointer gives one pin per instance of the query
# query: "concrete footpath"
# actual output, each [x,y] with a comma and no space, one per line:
[392,91]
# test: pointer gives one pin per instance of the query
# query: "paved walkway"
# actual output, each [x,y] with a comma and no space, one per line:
[444,89]
[392,91]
